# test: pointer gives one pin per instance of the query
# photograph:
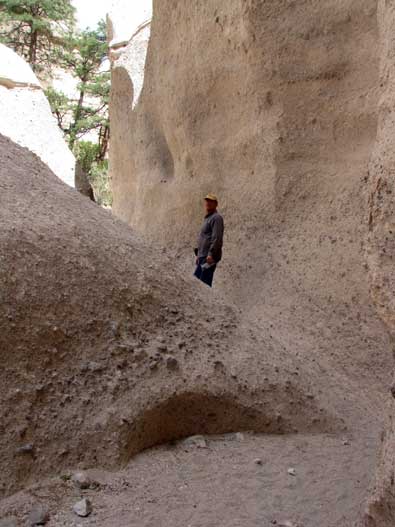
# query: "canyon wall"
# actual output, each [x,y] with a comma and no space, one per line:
[381,253]
[128,35]
[25,116]
[103,355]
[283,110]
[274,108]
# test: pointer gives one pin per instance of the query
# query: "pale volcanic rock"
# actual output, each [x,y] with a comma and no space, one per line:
[283,138]
[83,314]
[129,28]
[25,116]
[282,111]
[14,71]
[124,18]
[380,509]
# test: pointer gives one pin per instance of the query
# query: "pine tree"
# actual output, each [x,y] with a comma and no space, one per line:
[83,57]
[35,28]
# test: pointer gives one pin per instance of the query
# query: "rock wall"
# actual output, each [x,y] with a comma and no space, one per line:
[129,28]
[283,110]
[103,355]
[381,253]
[124,18]
[25,116]
[274,108]
[128,33]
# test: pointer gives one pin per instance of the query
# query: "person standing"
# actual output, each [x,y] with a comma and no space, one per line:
[209,248]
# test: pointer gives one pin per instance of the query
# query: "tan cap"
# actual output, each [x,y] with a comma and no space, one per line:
[211,197]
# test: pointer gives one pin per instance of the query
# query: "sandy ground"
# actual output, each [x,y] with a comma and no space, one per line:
[221,485]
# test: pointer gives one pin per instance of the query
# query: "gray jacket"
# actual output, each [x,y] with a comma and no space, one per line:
[211,237]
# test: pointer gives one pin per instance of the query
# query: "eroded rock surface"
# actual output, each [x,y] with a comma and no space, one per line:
[380,510]
[25,116]
[89,319]
[108,348]
[281,110]
[275,110]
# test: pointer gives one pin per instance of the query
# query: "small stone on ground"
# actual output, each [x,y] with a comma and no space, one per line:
[83,508]
[39,515]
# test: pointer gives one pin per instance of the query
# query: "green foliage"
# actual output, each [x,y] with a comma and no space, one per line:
[88,155]
[43,32]
[98,178]
[36,28]
[61,106]
[83,56]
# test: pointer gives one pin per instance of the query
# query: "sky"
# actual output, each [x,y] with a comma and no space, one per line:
[89,12]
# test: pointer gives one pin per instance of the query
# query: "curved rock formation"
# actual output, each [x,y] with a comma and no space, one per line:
[25,116]
[275,111]
[124,19]
[106,350]
[274,108]
[128,42]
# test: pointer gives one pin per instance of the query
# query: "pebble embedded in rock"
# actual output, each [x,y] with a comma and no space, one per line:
[83,508]
[39,515]
[25,449]
[172,363]
[258,461]
[198,441]
[292,472]
[81,480]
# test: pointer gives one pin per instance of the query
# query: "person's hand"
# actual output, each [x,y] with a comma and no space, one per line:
[210,260]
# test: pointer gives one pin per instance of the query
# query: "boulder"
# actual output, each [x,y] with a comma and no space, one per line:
[83,508]
[39,515]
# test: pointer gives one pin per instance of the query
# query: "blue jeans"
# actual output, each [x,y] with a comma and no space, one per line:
[205,275]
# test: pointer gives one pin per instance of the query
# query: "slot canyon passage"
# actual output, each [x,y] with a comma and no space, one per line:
[266,401]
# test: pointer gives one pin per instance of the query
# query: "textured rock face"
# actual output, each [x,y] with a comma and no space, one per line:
[106,350]
[381,253]
[103,354]
[124,18]
[129,28]
[274,109]
[381,248]
[25,116]
[282,110]
[14,71]
[128,43]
